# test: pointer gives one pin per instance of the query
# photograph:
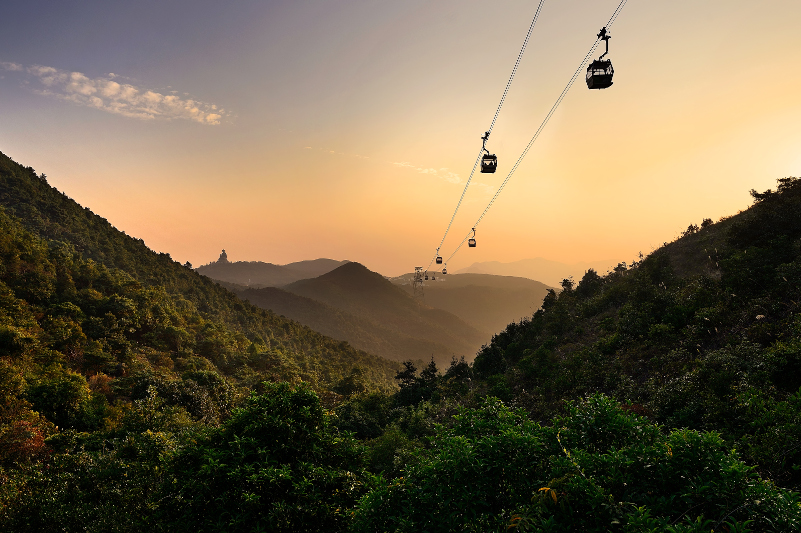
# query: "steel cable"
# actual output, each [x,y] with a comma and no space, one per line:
[542,126]
[492,125]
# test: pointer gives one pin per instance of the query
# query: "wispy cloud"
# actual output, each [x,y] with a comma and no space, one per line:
[487,190]
[334,152]
[119,97]
[442,173]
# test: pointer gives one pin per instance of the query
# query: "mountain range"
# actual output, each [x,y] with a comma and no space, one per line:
[370,312]
[485,301]
[544,270]
[258,274]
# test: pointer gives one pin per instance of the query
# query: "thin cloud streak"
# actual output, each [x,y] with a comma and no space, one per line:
[106,94]
[442,173]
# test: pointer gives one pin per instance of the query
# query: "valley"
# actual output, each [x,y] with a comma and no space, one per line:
[356,392]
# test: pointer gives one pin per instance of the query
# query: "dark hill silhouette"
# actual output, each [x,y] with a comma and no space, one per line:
[314,267]
[356,290]
[259,274]
[485,301]
[361,333]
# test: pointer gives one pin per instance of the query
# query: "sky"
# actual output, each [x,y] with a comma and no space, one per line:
[291,130]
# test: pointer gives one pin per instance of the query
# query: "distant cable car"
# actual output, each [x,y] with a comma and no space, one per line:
[600,71]
[472,241]
[439,260]
[433,277]
[488,162]
[445,270]
[426,277]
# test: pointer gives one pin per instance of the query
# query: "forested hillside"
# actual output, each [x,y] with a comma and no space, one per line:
[211,321]
[704,333]
[662,397]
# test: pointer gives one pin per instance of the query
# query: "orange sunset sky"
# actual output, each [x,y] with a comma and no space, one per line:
[291,130]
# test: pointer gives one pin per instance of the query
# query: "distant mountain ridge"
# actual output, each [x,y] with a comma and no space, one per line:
[355,304]
[359,332]
[259,274]
[539,269]
[485,301]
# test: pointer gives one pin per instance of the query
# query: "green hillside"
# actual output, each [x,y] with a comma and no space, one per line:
[662,397]
[704,333]
[85,304]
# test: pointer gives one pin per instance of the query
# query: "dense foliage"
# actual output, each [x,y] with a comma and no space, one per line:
[136,395]
[598,468]
[704,333]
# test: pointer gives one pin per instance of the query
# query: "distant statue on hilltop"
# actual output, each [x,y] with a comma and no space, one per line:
[223,257]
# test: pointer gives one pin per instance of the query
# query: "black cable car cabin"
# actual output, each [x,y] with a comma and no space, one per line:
[600,71]
[599,74]
[439,260]
[445,270]
[489,163]
[471,242]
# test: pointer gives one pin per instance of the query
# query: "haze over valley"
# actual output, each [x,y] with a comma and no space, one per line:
[451,317]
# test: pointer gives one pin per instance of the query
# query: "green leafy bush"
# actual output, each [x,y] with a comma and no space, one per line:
[276,465]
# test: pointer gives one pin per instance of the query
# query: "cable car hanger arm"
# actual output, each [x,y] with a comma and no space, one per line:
[604,37]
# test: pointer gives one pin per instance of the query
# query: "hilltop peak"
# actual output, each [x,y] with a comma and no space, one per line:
[353,276]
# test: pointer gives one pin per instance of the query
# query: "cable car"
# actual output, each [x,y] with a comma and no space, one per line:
[472,241]
[426,277]
[439,260]
[600,71]
[488,161]
[445,270]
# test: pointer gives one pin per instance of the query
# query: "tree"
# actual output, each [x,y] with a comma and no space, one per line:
[276,465]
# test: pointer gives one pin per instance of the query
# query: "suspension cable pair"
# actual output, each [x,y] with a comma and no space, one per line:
[487,134]
[539,130]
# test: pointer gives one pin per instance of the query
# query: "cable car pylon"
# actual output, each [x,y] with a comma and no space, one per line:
[417,283]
